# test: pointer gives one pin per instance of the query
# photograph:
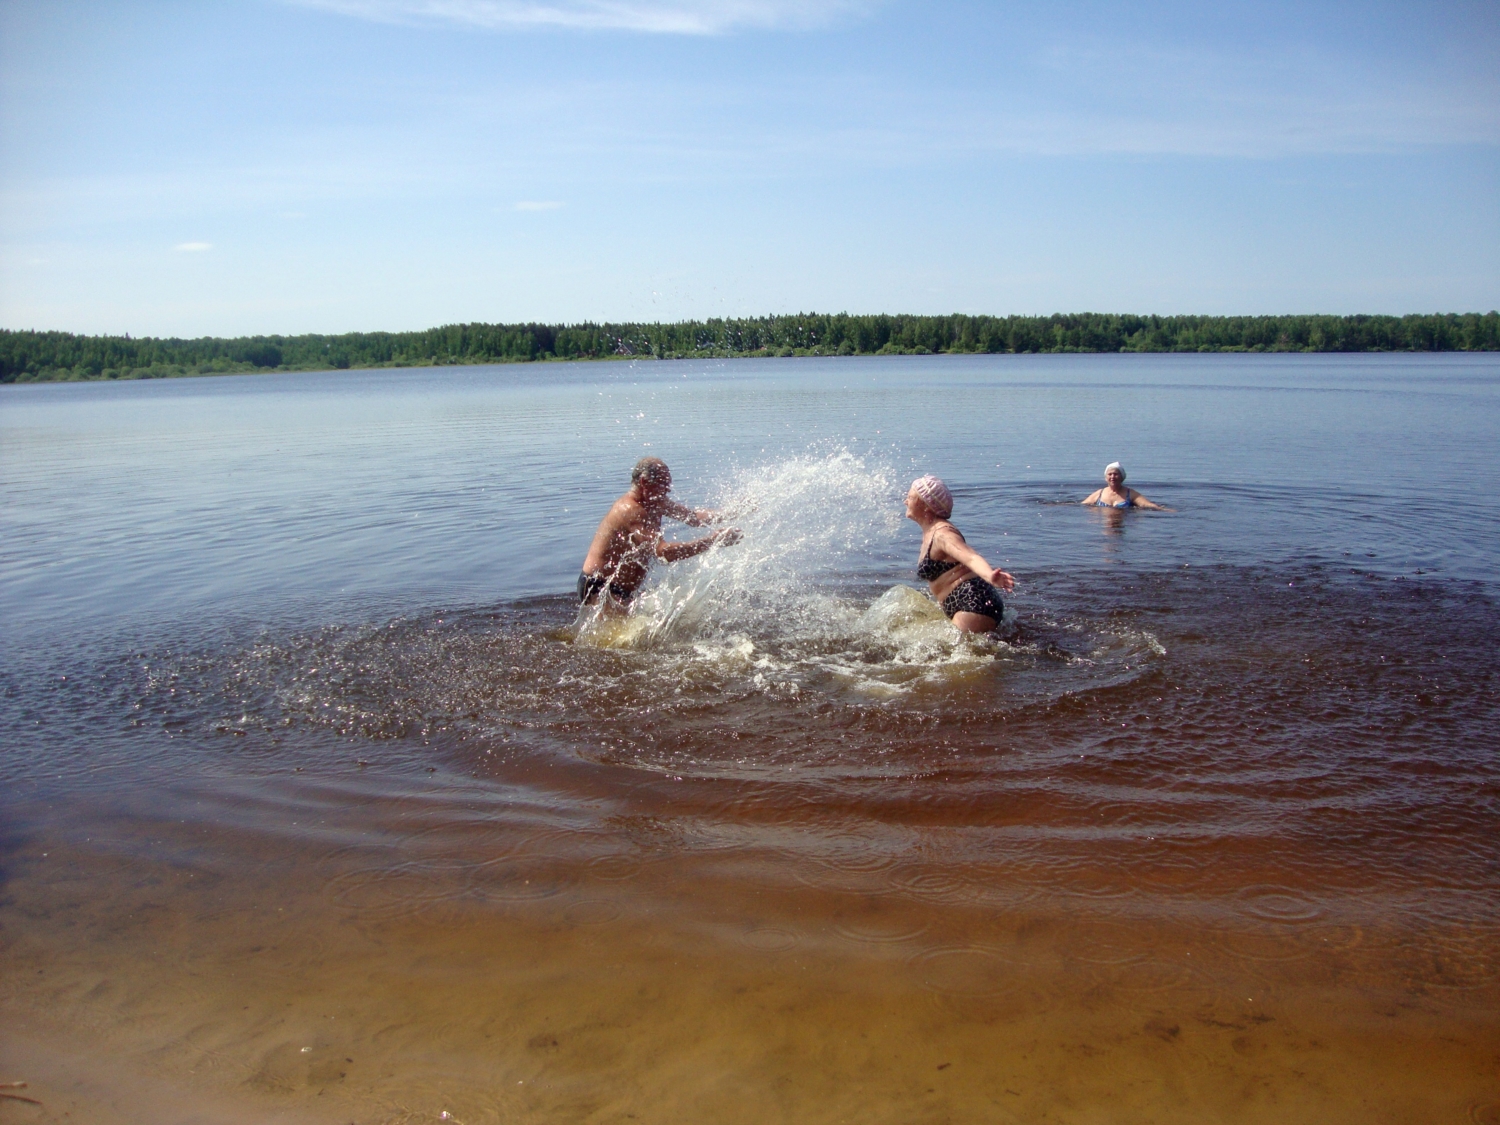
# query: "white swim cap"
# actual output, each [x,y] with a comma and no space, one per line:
[934,493]
[1112,466]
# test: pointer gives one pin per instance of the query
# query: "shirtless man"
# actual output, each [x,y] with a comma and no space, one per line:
[630,536]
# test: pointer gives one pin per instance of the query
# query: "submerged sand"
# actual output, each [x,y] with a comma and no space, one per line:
[506,977]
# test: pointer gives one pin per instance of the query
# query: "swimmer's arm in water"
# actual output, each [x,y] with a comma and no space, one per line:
[676,552]
[955,548]
[1136,499]
[1141,502]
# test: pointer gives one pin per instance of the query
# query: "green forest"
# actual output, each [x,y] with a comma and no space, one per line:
[27,356]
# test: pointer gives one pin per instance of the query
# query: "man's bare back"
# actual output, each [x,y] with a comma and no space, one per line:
[630,535]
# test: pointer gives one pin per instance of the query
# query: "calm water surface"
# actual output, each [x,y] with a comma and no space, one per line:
[319,798]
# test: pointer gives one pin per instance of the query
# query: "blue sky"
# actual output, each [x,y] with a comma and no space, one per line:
[260,166]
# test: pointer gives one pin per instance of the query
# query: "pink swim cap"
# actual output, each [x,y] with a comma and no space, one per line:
[934,493]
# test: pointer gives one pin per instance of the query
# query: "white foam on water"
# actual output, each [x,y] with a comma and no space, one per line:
[804,520]
[777,605]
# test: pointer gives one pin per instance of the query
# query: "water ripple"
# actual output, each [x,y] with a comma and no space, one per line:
[769,939]
[1285,905]
[965,971]
[876,928]
[517,879]
[387,891]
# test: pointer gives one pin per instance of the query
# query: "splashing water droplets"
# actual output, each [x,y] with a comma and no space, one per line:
[801,519]
[780,605]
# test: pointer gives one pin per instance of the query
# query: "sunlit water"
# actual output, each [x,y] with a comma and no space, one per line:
[322,797]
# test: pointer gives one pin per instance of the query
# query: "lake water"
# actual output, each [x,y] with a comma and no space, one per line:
[321,803]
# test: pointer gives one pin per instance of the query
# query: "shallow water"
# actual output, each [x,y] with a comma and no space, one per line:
[319,797]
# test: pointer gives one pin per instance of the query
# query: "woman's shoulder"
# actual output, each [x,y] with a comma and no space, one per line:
[947,527]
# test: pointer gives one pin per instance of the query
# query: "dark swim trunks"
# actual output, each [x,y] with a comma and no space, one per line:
[974,595]
[590,584]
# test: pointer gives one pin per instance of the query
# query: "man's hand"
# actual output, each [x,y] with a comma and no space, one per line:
[676,552]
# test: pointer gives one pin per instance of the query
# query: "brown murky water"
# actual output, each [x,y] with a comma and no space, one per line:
[1246,878]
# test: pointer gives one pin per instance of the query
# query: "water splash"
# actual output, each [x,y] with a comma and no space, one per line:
[787,603]
[788,637]
[804,520]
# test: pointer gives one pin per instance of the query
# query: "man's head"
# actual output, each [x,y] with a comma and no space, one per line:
[651,477]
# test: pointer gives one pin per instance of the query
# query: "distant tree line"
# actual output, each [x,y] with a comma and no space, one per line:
[32,356]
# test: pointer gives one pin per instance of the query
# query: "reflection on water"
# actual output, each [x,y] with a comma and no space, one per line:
[1186,840]
[1111,521]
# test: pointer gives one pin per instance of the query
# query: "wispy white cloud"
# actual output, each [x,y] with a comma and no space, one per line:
[672,17]
[193,247]
[538,205]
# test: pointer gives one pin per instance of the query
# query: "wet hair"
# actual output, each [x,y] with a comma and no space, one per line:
[652,469]
[934,493]
[1115,465]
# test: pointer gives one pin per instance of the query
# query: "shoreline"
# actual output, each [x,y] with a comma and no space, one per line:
[131,375]
[53,356]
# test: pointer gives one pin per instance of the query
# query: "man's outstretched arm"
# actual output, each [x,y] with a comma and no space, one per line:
[676,552]
[693,517]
